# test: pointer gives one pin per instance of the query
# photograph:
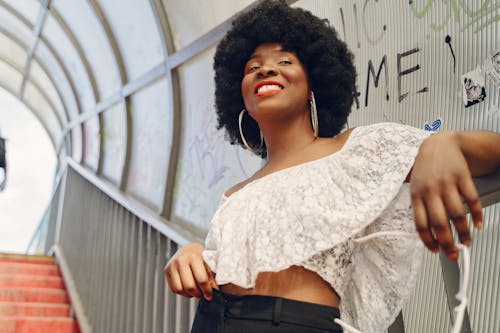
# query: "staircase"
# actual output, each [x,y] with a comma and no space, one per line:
[33,298]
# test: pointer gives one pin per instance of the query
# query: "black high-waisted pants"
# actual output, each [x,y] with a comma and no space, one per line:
[262,314]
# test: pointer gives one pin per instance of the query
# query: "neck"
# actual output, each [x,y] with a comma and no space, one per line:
[283,139]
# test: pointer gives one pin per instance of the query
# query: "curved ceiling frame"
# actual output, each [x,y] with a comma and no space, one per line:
[25,47]
[39,90]
[168,68]
[15,40]
[88,70]
[116,98]
[37,29]
[60,63]
[174,98]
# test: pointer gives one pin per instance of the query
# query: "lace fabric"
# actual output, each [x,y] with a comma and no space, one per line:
[311,215]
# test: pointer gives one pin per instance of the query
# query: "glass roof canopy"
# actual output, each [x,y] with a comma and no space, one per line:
[105,77]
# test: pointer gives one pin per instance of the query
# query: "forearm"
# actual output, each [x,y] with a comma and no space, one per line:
[481,150]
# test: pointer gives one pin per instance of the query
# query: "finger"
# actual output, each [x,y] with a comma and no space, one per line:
[174,280]
[201,277]
[211,277]
[469,192]
[438,221]
[456,212]
[188,282]
[422,226]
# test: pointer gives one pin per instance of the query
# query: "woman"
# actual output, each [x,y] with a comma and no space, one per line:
[281,254]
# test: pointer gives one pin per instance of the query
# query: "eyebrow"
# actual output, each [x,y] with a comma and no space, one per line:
[257,55]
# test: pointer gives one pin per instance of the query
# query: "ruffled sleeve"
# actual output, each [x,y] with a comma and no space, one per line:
[311,214]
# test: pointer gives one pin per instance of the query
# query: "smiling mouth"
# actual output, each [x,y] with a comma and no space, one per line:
[268,89]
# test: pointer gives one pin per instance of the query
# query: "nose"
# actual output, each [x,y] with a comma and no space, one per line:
[267,70]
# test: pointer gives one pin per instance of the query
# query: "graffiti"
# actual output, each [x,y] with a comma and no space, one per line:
[201,165]
[371,71]
[372,41]
[205,149]
[373,35]
[447,40]
[460,13]
[401,74]
[405,72]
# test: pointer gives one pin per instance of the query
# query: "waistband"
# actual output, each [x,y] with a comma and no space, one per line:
[270,308]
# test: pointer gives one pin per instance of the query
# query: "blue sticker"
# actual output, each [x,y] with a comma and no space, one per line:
[434,126]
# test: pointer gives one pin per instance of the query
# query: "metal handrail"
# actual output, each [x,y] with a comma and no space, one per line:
[488,188]
[179,234]
[69,283]
[114,250]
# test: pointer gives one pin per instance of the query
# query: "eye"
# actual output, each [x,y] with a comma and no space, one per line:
[285,62]
[252,69]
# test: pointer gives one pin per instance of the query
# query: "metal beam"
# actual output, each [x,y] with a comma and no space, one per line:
[37,30]
[123,79]
[174,97]
[36,85]
[56,56]
[62,123]
[88,70]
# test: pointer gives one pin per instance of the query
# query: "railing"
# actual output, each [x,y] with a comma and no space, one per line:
[112,251]
[115,251]
[44,235]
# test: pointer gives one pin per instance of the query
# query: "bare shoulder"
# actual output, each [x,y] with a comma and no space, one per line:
[337,141]
[342,137]
[237,187]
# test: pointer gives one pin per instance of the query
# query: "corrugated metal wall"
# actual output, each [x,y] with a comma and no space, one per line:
[414,32]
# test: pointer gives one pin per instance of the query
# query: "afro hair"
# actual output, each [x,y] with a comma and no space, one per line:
[328,63]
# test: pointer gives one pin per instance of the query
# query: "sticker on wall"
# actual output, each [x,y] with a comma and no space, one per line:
[473,84]
[436,124]
[492,67]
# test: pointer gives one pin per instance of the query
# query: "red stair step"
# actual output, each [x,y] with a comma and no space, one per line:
[10,280]
[42,295]
[16,309]
[34,259]
[31,262]
[28,269]
[37,325]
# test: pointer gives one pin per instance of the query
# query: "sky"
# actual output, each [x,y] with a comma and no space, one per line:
[31,166]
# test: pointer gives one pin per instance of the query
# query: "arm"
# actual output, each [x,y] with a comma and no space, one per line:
[481,151]
[441,176]
[188,275]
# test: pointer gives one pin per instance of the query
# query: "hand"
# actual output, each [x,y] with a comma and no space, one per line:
[188,275]
[439,178]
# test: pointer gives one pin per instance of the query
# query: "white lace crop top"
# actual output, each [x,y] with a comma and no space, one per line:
[311,214]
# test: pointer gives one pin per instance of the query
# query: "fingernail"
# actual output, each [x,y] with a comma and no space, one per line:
[480,225]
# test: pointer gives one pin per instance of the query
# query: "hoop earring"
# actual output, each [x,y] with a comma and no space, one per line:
[253,150]
[314,115]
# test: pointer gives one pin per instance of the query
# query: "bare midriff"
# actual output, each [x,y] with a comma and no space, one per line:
[295,283]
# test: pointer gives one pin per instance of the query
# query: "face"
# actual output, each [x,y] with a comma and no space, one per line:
[274,83]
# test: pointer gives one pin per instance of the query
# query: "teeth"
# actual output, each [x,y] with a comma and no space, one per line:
[268,87]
